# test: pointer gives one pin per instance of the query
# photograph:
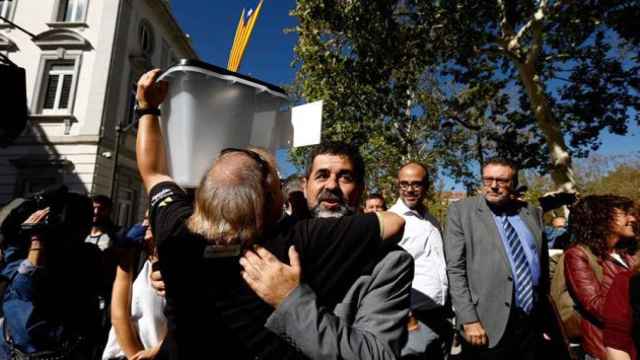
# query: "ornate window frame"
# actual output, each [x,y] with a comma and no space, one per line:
[61,38]
[48,59]
[58,21]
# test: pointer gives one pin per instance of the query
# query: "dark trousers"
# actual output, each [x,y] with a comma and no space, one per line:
[522,340]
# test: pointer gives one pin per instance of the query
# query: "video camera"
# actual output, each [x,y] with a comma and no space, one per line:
[55,201]
[14,232]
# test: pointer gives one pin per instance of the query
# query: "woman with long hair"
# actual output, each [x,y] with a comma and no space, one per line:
[603,229]
[621,311]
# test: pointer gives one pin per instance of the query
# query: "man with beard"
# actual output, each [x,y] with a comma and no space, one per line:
[430,332]
[377,299]
[334,181]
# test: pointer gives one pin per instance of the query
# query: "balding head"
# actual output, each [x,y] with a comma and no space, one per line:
[412,183]
[234,202]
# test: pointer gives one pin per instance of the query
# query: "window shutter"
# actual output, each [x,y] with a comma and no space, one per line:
[50,95]
[66,91]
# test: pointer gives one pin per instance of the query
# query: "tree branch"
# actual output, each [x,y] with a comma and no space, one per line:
[536,26]
[555,57]
[536,33]
[500,49]
[561,78]
[507,28]
[465,123]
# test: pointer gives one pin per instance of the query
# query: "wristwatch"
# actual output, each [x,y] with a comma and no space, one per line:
[148,111]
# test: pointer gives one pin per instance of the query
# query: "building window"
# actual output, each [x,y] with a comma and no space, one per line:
[145,38]
[58,86]
[72,11]
[6,9]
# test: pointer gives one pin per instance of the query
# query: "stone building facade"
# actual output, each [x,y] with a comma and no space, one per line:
[81,65]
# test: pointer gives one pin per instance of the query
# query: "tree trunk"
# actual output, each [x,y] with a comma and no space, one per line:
[561,171]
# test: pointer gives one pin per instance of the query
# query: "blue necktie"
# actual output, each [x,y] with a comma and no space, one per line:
[524,280]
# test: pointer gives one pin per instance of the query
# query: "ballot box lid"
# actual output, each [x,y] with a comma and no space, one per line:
[213,70]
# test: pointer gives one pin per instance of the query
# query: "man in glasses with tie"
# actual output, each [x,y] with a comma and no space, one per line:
[497,263]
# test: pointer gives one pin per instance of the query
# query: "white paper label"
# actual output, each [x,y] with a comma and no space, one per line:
[307,124]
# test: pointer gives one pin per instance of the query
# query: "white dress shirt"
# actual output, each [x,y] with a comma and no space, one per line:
[423,241]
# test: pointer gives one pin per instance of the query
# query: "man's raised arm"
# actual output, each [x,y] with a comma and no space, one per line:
[150,152]
[391,227]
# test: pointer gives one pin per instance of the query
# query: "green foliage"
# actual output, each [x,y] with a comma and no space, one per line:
[441,82]
[587,62]
[367,61]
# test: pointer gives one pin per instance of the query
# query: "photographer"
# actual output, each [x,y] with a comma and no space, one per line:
[51,301]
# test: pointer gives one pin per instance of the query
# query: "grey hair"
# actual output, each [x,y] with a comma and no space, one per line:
[229,205]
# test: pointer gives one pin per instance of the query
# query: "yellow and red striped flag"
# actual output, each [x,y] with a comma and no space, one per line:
[243,34]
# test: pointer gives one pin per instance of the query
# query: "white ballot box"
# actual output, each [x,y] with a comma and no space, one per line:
[209,108]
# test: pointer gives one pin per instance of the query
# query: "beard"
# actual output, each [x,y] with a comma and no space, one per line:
[341,210]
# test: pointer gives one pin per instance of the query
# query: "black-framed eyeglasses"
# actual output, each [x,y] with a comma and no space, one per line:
[264,165]
[405,185]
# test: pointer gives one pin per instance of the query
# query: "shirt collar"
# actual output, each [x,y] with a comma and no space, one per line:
[507,211]
[402,208]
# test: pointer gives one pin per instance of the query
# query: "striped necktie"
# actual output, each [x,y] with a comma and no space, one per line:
[524,280]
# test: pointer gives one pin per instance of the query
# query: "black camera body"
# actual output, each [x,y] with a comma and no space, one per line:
[15,233]
[55,201]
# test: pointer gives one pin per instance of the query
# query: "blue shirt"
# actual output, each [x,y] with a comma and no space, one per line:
[552,234]
[528,244]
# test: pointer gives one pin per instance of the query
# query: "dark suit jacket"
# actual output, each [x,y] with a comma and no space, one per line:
[480,276]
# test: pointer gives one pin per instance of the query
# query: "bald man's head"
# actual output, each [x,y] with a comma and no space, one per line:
[235,201]
[412,183]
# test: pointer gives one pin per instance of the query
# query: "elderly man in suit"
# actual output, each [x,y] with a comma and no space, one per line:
[497,267]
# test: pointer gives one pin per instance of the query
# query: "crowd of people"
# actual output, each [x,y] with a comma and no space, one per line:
[249,266]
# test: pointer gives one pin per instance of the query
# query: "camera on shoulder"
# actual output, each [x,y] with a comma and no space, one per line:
[54,199]
[66,211]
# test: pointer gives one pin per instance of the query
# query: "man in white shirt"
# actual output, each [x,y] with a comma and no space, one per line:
[429,330]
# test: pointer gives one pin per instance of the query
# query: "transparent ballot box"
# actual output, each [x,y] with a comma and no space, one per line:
[209,108]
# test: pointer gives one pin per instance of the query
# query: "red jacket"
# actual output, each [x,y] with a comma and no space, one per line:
[582,272]
[618,320]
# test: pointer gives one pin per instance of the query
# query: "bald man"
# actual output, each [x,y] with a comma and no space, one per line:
[430,332]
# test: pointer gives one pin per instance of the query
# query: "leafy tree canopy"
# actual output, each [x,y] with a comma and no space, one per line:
[449,82]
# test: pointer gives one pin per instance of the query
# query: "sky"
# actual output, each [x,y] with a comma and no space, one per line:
[269,55]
